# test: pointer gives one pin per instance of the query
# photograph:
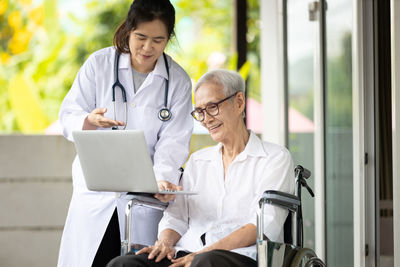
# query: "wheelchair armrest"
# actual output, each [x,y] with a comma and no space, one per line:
[146,200]
[281,199]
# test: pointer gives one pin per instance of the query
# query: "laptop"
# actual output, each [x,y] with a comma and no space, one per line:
[117,161]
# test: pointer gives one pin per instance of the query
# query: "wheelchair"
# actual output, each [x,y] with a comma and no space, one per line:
[289,253]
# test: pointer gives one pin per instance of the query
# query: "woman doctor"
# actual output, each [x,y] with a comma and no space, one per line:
[93,229]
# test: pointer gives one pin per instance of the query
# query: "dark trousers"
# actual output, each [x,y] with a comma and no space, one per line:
[214,258]
[110,246]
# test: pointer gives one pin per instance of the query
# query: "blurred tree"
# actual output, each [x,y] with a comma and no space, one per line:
[339,86]
[41,52]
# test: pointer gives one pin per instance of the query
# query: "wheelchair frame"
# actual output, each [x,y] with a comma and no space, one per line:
[274,254]
[139,199]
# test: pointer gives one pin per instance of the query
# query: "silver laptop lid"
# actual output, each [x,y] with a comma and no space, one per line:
[117,161]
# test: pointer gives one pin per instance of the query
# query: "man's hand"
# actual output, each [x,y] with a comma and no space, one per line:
[183,261]
[96,119]
[165,185]
[161,249]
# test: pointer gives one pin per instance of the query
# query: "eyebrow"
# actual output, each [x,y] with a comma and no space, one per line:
[208,103]
[145,36]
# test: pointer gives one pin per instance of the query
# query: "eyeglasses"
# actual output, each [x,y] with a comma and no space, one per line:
[211,109]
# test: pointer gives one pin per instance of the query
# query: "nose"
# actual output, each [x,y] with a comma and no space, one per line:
[207,118]
[148,44]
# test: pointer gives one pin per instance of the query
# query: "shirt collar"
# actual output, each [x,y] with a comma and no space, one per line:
[160,70]
[254,148]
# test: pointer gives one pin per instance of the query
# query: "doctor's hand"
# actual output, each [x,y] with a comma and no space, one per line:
[160,250]
[96,119]
[165,185]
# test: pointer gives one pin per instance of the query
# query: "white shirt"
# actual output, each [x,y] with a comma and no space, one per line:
[168,144]
[223,206]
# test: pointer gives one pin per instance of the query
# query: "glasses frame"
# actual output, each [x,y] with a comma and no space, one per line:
[201,110]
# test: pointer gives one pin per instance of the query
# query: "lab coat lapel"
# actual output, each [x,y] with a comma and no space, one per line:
[157,76]
[125,75]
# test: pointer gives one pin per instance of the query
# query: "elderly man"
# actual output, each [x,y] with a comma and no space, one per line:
[217,227]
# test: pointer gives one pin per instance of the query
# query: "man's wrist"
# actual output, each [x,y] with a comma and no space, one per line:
[166,241]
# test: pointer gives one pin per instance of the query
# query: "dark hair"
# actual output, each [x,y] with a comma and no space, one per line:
[144,11]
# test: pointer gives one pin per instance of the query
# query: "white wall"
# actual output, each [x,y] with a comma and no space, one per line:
[272,91]
[35,190]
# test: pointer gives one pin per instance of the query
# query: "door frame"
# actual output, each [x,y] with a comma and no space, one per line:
[395,38]
[365,184]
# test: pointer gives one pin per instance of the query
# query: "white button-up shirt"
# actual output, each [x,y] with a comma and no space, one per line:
[224,205]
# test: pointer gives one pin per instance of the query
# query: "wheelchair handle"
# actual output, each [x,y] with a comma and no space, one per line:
[304,183]
[303,172]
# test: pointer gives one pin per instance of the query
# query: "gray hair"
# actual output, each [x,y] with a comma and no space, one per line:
[231,81]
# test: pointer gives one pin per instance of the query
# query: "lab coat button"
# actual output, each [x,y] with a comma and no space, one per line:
[133,104]
[117,195]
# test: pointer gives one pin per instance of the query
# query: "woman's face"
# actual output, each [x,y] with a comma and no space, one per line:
[146,44]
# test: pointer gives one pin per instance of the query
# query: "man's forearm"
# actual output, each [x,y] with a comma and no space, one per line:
[169,236]
[243,237]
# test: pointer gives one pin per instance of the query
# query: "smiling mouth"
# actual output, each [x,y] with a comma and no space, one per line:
[214,127]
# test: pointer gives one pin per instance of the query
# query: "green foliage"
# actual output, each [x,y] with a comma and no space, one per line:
[339,87]
[47,62]
[253,47]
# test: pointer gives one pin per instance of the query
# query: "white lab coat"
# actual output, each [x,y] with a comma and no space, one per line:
[90,212]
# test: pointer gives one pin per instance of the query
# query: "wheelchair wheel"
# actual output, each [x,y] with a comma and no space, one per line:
[306,257]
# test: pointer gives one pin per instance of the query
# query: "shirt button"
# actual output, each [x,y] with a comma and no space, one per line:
[133,104]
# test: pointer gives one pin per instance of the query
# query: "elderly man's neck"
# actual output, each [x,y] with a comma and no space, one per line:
[234,146]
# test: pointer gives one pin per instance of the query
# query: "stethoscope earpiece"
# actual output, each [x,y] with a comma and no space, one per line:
[164,114]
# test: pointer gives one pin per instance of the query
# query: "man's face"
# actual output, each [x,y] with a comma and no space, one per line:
[222,125]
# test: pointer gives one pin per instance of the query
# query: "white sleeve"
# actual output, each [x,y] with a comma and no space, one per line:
[172,147]
[279,176]
[80,100]
[176,216]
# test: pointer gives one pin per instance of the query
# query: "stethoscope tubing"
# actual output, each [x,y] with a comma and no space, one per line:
[166,82]
[164,114]
[123,91]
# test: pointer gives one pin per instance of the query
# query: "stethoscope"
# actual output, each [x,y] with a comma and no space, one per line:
[164,114]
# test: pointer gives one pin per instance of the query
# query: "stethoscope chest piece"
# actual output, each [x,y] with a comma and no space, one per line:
[164,114]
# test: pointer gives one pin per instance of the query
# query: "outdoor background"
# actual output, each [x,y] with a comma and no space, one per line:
[43,43]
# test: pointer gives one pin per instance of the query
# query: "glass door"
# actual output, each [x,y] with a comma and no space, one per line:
[300,86]
[339,134]
[319,89]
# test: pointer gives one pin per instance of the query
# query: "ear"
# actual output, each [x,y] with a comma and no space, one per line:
[240,101]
